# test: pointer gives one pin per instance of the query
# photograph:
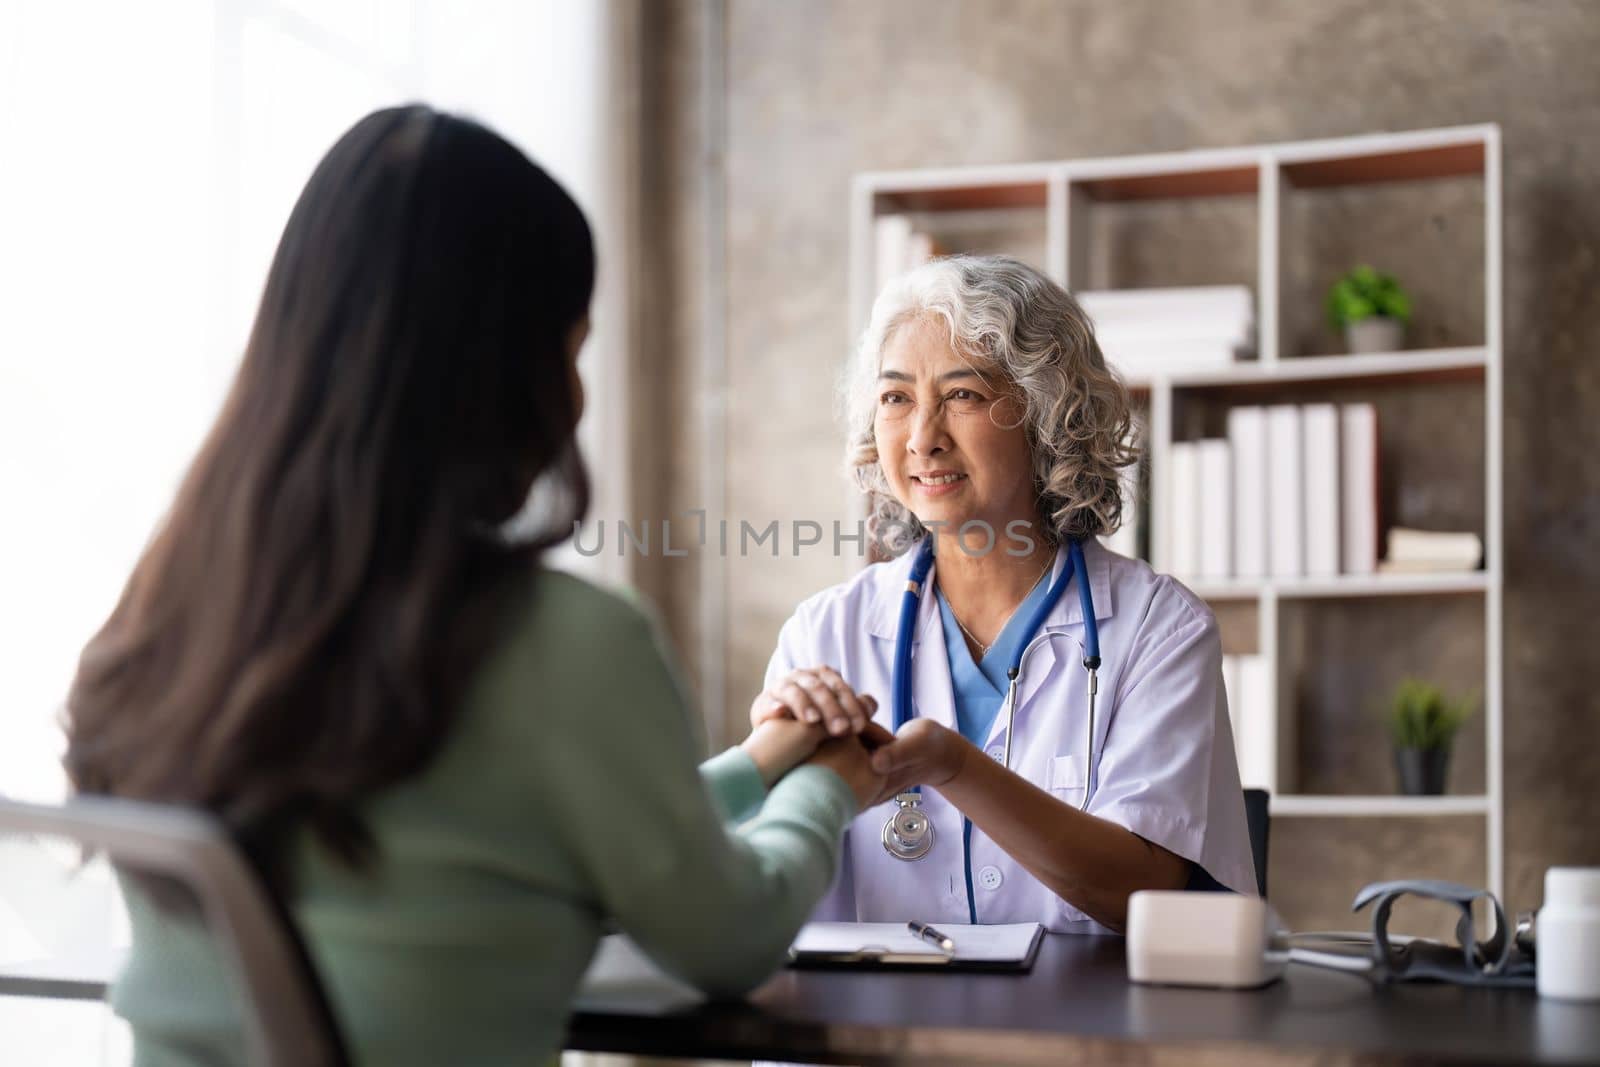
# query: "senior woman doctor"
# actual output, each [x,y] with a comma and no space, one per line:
[988,433]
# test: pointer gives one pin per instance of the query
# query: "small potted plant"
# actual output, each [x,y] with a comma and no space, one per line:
[1371,309]
[1422,723]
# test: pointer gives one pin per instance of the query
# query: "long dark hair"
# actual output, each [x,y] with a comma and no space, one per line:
[298,633]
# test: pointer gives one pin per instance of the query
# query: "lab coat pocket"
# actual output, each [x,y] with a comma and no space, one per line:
[1066,778]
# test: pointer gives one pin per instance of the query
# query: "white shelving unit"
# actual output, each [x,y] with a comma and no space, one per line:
[1064,193]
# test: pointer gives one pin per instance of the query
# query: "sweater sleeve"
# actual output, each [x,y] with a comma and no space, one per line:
[715,906]
[735,783]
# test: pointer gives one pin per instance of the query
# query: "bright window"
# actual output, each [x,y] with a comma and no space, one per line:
[149,156]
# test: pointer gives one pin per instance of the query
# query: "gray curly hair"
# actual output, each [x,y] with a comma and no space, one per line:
[1011,319]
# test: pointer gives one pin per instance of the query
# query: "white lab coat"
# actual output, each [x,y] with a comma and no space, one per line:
[1163,743]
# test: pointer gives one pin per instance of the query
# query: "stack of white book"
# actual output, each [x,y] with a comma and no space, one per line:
[1253,717]
[899,247]
[1150,333]
[1291,492]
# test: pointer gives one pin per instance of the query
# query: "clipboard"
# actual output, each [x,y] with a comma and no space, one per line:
[1008,948]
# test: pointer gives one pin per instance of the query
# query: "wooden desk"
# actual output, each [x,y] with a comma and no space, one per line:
[1076,1007]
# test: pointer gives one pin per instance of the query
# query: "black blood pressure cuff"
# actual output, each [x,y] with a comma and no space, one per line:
[1495,961]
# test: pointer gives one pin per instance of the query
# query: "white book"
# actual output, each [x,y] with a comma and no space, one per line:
[1135,512]
[1358,496]
[1173,359]
[1125,540]
[1257,741]
[1425,566]
[1247,443]
[1434,550]
[1285,501]
[1319,429]
[1216,509]
[1183,518]
[1162,330]
[891,236]
[1224,304]
[919,249]
[1230,693]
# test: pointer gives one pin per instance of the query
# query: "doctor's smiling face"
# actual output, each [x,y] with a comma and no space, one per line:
[949,433]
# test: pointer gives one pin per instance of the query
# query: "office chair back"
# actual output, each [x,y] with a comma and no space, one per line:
[1258,820]
[286,1017]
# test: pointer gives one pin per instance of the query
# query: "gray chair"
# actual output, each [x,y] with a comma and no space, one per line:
[286,1017]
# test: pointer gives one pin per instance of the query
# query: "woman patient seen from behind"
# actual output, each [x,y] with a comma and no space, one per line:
[420,735]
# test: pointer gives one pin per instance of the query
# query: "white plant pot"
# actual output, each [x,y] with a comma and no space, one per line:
[1375,335]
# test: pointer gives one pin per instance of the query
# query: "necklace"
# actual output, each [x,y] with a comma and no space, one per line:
[983,649]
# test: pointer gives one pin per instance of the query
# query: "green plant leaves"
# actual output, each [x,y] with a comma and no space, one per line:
[1422,716]
[1366,293]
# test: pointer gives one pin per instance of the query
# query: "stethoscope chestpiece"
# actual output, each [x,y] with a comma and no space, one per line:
[908,835]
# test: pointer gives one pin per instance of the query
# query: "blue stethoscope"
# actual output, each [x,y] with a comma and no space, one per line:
[908,835]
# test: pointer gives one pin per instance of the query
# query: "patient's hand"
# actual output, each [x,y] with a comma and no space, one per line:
[779,745]
[815,695]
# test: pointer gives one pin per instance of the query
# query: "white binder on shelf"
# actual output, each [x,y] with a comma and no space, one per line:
[1257,739]
[1319,425]
[1216,509]
[1247,445]
[1125,541]
[891,238]
[1285,502]
[1230,692]
[1358,497]
[1183,522]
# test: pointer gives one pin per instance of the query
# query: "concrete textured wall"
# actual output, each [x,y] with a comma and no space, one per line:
[820,89]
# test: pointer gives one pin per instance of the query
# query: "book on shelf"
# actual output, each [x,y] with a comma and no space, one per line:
[1155,332]
[1319,424]
[1430,551]
[1125,541]
[1184,503]
[1285,501]
[1230,692]
[1247,444]
[1247,685]
[1292,491]
[1139,362]
[898,247]
[1208,305]
[1358,497]
[1230,689]
[1215,527]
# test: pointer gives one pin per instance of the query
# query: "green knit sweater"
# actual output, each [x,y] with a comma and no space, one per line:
[566,798]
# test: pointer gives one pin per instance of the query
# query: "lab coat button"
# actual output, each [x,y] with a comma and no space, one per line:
[997,753]
[990,878]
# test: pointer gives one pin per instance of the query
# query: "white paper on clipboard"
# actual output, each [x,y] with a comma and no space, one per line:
[1000,945]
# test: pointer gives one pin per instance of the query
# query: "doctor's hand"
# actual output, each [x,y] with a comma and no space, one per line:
[815,695]
[849,758]
[922,753]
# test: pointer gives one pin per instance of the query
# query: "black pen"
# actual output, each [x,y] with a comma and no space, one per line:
[928,933]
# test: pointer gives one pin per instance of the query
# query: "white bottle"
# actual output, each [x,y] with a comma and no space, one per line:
[1568,932]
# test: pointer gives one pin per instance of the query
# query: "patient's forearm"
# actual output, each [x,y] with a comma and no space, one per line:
[779,745]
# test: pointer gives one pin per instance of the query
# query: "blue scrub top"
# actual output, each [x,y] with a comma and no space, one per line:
[980,688]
